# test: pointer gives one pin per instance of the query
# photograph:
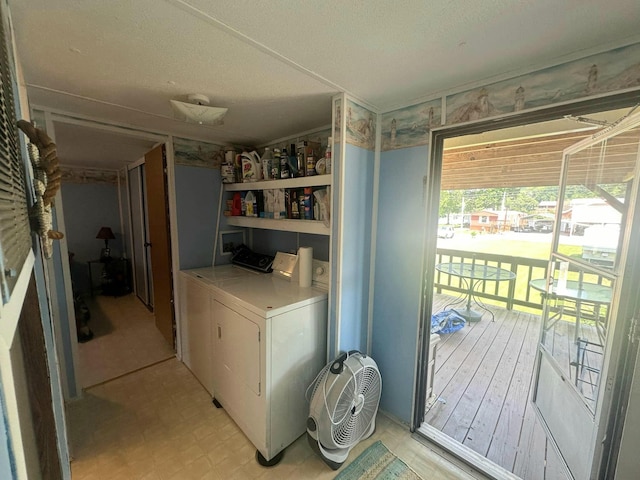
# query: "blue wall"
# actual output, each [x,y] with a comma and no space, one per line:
[87,207]
[197,196]
[272,241]
[356,172]
[398,275]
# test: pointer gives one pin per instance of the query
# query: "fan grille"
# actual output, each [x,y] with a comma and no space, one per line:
[356,407]
[319,380]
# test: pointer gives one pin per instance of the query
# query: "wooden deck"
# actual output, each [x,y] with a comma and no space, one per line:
[483,385]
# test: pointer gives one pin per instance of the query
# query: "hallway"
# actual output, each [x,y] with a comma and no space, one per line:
[125,339]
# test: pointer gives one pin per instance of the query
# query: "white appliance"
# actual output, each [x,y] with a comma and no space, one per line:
[267,342]
[343,406]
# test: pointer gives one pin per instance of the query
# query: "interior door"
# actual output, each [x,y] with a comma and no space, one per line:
[159,240]
[139,234]
[585,316]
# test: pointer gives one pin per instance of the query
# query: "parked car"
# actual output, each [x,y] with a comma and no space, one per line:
[445,232]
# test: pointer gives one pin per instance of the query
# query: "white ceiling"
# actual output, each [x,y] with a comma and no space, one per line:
[277,64]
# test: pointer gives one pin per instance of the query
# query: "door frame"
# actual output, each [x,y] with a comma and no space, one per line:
[70,362]
[434,172]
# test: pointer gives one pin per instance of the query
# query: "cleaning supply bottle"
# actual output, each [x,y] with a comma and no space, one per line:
[275,164]
[284,164]
[293,162]
[257,163]
[249,173]
[300,163]
[267,159]
[227,169]
[310,164]
[251,208]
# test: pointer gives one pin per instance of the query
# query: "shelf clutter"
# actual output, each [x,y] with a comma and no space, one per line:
[304,203]
[284,189]
[304,159]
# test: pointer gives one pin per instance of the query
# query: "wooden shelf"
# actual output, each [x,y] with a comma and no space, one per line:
[298,182]
[287,225]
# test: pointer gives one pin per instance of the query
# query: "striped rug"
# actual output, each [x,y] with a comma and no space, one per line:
[377,463]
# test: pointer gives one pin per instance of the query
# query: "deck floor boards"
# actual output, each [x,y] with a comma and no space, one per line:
[506,436]
[483,384]
[477,393]
[494,404]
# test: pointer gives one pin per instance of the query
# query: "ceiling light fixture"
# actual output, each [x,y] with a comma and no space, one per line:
[197,110]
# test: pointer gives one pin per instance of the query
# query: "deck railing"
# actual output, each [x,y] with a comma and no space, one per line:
[511,293]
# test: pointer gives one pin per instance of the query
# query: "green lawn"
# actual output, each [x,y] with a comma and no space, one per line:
[537,248]
[506,245]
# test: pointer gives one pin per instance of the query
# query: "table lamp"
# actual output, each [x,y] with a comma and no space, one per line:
[105,234]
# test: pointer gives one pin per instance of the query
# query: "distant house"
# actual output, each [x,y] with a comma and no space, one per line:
[547,206]
[455,219]
[484,221]
[587,212]
[584,212]
[492,221]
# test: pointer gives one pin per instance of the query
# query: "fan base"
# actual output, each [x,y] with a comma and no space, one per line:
[268,463]
[313,442]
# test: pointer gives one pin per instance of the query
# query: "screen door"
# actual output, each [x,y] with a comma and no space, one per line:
[591,234]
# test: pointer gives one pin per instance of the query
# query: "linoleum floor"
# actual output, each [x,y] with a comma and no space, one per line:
[158,423]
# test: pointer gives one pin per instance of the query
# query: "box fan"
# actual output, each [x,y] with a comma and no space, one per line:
[343,405]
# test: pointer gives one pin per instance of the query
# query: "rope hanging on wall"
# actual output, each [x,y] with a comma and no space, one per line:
[46,183]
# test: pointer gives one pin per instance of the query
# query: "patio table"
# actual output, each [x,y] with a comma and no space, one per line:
[472,275]
[579,292]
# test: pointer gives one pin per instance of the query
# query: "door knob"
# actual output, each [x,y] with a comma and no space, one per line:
[147,244]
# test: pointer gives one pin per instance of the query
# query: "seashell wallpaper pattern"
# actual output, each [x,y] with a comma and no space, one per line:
[613,71]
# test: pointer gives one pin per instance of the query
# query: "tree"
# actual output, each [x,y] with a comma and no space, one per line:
[521,199]
[483,199]
[450,202]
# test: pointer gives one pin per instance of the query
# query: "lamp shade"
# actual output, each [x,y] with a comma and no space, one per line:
[105,233]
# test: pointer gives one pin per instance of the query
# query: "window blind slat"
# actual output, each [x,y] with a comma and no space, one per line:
[15,236]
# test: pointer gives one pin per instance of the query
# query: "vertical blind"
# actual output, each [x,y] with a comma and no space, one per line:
[15,237]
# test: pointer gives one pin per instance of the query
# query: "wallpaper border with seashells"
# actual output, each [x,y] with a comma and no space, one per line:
[595,75]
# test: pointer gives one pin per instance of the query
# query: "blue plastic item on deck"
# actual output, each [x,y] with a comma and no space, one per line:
[447,321]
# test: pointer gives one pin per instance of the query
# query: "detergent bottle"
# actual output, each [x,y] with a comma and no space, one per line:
[257,164]
[249,168]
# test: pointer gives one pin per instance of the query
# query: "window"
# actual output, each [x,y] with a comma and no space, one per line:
[15,237]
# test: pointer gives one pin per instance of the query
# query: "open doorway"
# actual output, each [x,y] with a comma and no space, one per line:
[497,205]
[115,333]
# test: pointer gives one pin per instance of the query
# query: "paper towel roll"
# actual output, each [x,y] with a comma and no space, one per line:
[305,266]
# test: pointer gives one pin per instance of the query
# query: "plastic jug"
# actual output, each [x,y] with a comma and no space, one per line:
[250,170]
